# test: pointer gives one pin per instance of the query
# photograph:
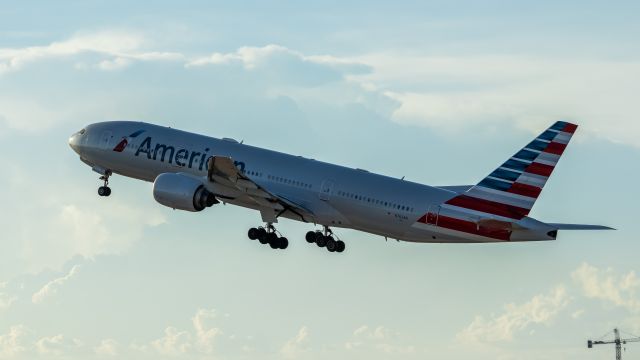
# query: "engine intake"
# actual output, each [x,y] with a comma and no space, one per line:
[183,192]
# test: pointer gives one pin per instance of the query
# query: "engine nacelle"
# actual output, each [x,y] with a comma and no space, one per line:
[179,191]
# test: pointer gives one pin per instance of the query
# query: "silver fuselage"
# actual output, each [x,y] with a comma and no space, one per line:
[338,196]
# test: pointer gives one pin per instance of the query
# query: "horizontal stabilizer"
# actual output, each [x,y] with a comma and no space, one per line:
[580,227]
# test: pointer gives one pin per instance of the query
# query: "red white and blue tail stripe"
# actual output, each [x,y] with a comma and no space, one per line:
[511,190]
[492,207]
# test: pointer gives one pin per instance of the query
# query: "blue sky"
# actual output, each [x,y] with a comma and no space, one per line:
[439,92]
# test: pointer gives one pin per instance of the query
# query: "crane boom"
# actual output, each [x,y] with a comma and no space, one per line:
[617,341]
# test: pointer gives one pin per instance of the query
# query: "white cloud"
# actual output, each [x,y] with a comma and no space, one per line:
[114,64]
[177,342]
[205,334]
[119,45]
[297,345]
[252,57]
[577,314]
[379,332]
[6,300]
[107,347]
[379,339]
[284,69]
[51,288]
[69,223]
[454,93]
[81,224]
[619,290]
[27,114]
[57,345]
[174,342]
[448,93]
[541,309]
[11,343]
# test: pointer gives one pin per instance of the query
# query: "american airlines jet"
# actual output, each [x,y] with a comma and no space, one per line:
[193,172]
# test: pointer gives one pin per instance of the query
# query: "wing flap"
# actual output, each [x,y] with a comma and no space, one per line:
[222,170]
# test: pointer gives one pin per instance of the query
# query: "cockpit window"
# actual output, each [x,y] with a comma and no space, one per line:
[81,132]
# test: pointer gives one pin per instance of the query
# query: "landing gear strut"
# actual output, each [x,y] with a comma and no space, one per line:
[268,235]
[326,239]
[105,190]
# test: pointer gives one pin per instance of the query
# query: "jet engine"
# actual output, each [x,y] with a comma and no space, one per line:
[183,192]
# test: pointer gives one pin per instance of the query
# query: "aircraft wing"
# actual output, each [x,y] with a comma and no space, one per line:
[223,171]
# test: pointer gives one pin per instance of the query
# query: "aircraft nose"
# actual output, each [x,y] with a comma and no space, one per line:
[74,142]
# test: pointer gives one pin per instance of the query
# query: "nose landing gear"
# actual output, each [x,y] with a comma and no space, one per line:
[268,235]
[326,239]
[105,190]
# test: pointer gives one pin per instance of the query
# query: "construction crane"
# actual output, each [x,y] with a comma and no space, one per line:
[617,341]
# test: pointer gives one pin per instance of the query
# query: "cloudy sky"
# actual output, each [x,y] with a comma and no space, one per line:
[439,92]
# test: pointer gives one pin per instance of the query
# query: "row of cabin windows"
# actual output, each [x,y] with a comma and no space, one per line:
[254,173]
[291,182]
[281,179]
[340,193]
[377,202]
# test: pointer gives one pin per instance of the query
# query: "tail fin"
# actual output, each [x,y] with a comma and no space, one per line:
[511,190]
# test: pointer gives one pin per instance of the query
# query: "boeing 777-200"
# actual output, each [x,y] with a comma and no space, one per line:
[193,172]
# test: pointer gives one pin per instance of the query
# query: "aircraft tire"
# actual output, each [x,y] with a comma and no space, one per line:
[253,233]
[331,244]
[340,246]
[310,237]
[321,241]
[263,237]
[283,243]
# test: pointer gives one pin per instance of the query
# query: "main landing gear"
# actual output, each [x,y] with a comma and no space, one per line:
[105,190]
[325,239]
[268,235]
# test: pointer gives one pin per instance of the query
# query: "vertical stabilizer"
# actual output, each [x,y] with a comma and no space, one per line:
[511,190]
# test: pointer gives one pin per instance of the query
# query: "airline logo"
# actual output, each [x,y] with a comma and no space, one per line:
[125,141]
[179,156]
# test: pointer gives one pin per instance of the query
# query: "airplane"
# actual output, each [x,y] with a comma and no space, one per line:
[192,172]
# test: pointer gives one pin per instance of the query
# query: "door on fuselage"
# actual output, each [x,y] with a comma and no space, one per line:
[105,140]
[326,189]
[432,215]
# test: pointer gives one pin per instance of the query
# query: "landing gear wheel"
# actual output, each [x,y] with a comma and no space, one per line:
[321,241]
[268,235]
[340,246]
[263,237]
[253,233]
[310,237]
[273,240]
[331,244]
[104,191]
